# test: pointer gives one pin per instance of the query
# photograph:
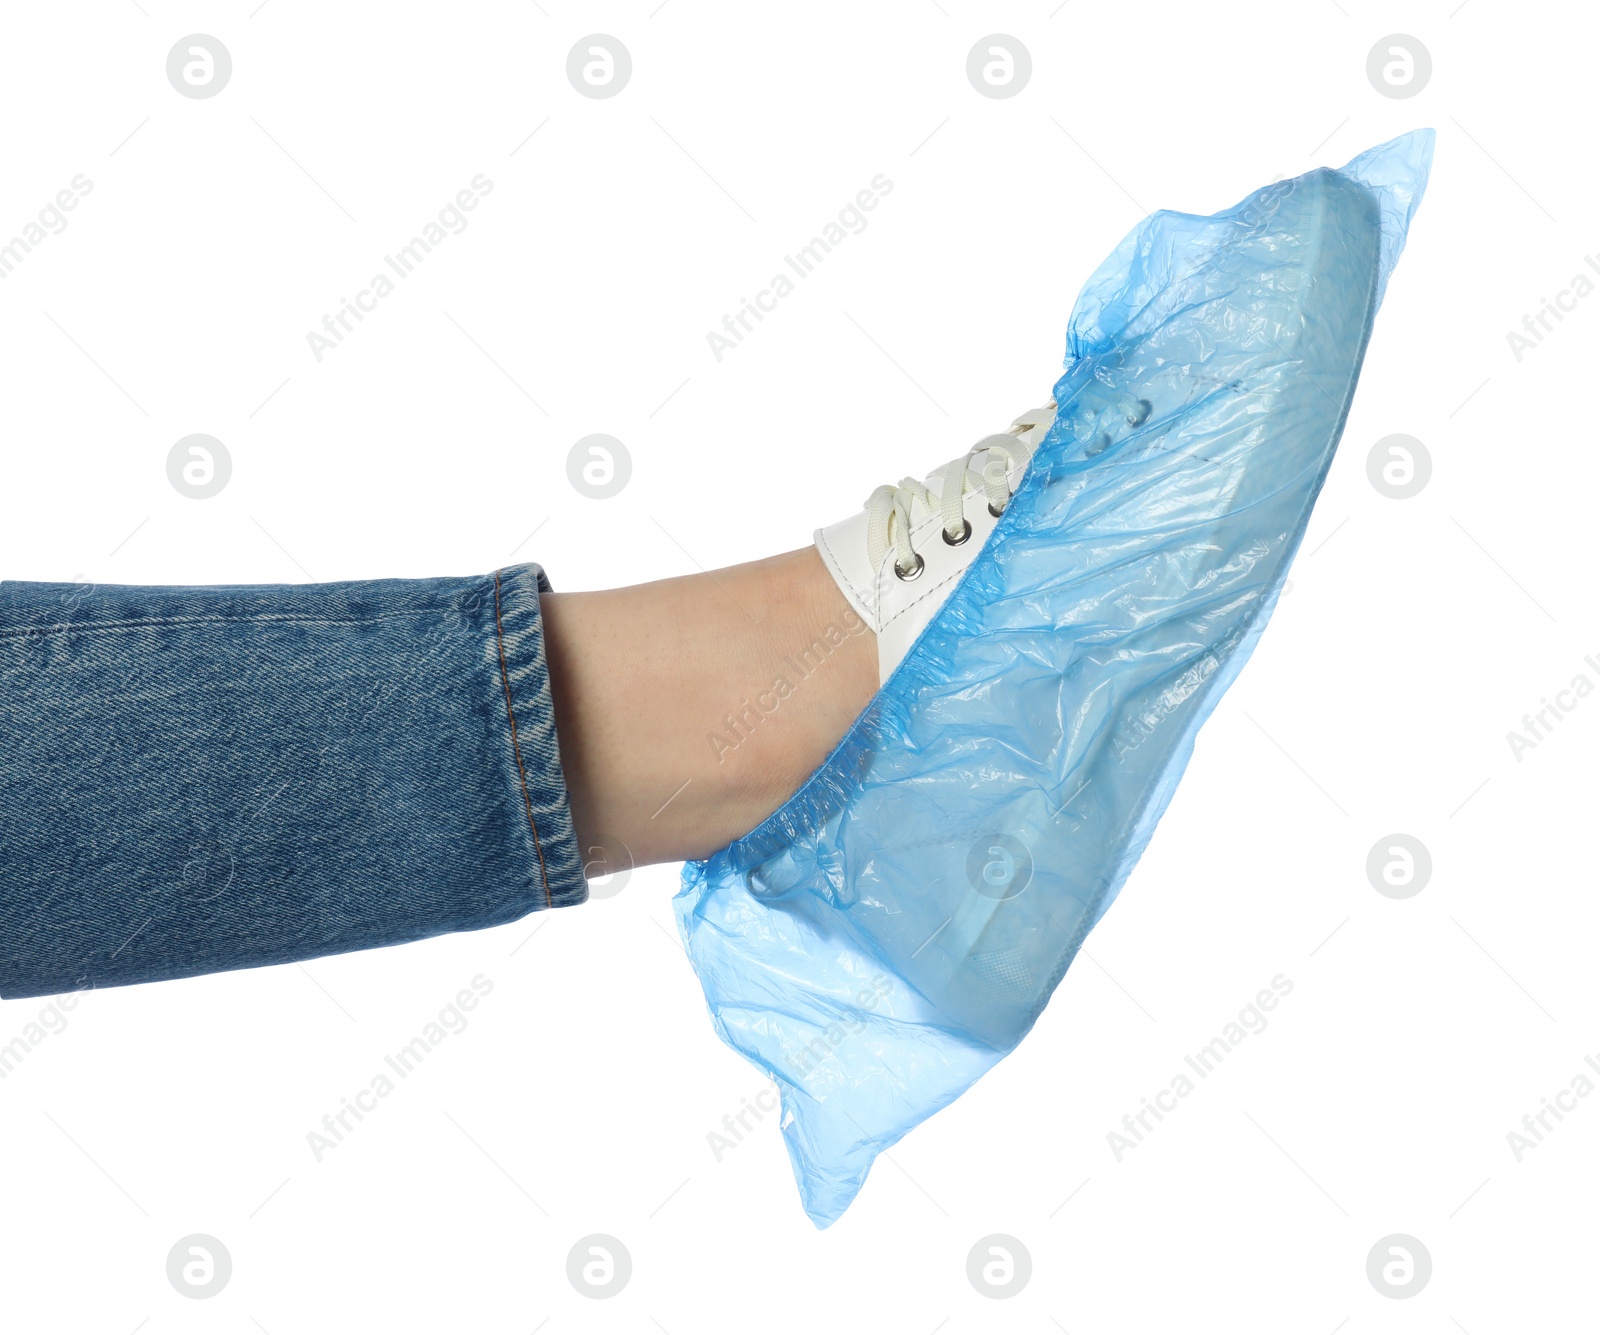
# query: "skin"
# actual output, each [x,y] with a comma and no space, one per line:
[660,776]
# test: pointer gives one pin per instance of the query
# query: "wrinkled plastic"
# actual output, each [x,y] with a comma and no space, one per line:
[899,924]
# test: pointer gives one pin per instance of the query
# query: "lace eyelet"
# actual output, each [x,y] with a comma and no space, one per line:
[913,573]
[966,532]
[994,512]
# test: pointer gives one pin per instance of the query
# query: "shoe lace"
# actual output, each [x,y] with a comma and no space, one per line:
[985,467]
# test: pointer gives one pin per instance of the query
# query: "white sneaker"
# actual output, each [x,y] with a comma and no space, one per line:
[898,559]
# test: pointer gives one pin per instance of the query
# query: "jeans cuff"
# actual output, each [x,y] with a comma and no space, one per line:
[532,758]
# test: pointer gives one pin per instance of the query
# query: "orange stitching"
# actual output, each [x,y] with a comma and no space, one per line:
[516,749]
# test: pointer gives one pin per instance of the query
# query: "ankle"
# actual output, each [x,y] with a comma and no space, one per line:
[807,669]
[690,709]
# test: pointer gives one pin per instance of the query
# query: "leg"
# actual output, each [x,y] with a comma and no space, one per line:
[689,709]
[200,779]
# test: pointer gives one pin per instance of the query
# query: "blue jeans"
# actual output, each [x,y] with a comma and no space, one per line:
[199,779]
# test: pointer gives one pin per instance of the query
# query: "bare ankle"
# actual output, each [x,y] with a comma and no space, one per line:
[689,709]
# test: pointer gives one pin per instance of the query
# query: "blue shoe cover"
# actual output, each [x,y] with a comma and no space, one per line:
[898,925]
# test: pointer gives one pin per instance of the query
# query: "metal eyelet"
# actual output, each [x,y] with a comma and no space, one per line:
[913,573]
[966,532]
[994,512]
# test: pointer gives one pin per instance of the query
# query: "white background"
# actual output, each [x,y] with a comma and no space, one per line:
[1414,636]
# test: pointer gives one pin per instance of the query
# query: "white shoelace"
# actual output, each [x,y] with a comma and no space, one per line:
[890,509]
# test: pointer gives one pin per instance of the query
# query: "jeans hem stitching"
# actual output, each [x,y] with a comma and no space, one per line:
[516,748]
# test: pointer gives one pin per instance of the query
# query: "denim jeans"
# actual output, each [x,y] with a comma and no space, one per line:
[199,779]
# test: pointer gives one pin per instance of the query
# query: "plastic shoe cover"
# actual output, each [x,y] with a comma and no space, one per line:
[898,925]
